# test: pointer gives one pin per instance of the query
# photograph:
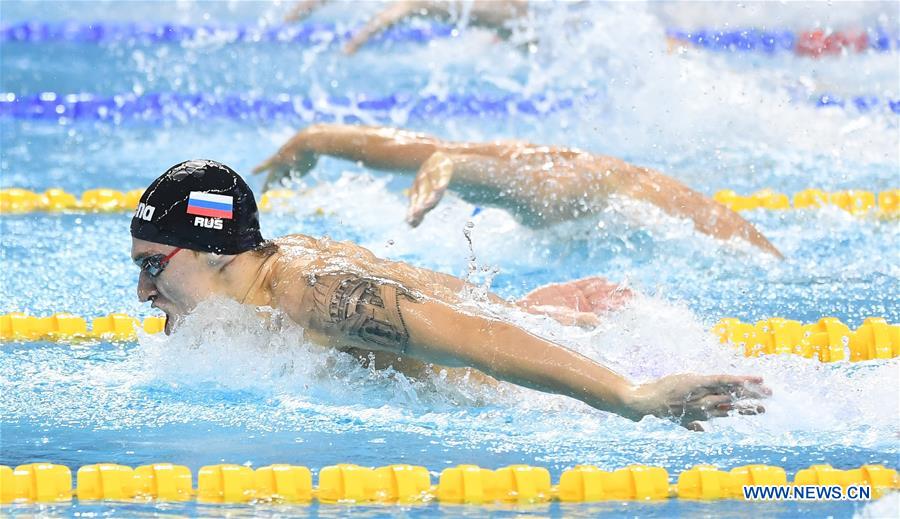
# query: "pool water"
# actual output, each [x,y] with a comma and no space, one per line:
[225,388]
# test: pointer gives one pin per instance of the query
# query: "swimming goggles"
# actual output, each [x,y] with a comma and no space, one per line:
[156,264]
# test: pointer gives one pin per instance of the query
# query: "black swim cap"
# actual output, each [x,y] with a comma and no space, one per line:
[201,205]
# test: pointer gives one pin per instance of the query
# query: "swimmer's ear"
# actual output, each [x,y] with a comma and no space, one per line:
[219,261]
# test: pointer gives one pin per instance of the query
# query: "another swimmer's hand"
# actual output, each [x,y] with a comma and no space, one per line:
[429,187]
[691,398]
[303,9]
[294,157]
[395,13]
[492,13]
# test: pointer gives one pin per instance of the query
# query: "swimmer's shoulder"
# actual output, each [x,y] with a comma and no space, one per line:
[292,242]
[518,149]
[300,254]
[297,256]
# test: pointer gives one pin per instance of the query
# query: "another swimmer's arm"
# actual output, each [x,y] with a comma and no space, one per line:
[710,217]
[490,13]
[494,13]
[303,9]
[393,14]
[375,147]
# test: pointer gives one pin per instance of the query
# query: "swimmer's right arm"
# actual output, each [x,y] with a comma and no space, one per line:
[388,149]
[376,147]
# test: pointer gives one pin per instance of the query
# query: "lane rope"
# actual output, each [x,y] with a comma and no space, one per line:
[814,42]
[174,106]
[308,33]
[828,340]
[410,484]
[105,200]
[181,107]
[885,203]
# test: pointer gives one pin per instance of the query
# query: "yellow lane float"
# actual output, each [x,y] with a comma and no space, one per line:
[407,484]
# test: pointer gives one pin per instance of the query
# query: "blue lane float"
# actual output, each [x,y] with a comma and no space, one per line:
[813,43]
[178,106]
[172,106]
[155,33]
[861,103]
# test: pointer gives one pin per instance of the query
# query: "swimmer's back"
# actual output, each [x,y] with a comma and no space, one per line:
[302,258]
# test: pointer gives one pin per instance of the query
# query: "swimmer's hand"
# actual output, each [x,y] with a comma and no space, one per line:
[429,187]
[691,398]
[294,158]
[592,294]
[580,302]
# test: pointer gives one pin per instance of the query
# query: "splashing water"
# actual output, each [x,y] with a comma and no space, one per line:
[231,386]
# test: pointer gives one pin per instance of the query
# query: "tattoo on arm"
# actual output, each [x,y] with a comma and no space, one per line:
[364,309]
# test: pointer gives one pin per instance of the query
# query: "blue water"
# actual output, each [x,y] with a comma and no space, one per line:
[257,396]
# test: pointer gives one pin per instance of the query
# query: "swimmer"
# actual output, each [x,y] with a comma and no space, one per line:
[195,235]
[493,14]
[539,185]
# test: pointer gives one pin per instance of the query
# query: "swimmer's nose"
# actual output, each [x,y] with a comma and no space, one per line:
[145,288]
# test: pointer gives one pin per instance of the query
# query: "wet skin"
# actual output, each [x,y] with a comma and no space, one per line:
[437,326]
[539,185]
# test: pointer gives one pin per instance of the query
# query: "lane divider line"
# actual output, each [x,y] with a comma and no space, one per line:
[828,340]
[815,43]
[410,484]
[181,107]
[105,200]
[885,203]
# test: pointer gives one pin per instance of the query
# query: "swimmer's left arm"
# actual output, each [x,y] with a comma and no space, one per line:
[441,334]
[366,312]
[347,309]
[673,197]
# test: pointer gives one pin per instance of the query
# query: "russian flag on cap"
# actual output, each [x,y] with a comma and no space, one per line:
[209,204]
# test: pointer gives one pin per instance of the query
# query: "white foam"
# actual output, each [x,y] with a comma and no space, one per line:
[226,347]
[887,506]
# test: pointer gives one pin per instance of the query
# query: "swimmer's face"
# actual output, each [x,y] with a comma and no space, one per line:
[186,280]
